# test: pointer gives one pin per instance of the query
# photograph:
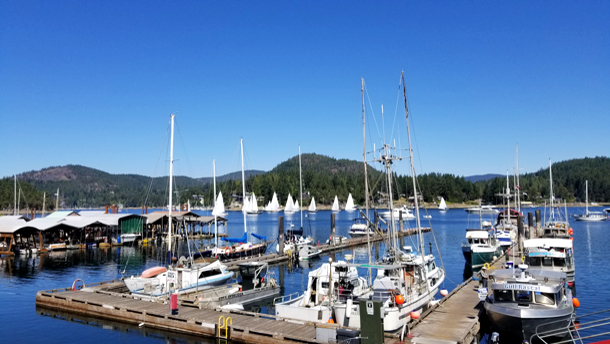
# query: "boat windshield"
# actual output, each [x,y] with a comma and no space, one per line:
[524,296]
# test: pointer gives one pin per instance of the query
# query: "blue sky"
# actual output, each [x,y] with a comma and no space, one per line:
[93,82]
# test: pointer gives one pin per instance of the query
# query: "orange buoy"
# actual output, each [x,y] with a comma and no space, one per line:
[331,321]
[415,315]
[399,299]
[575,302]
[572,239]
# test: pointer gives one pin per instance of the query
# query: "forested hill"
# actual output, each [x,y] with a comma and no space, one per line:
[81,186]
[568,181]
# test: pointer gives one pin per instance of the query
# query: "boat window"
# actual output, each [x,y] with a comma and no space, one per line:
[523,296]
[559,262]
[547,261]
[503,295]
[209,273]
[534,261]
[325,285]
[544,298]
[558,297]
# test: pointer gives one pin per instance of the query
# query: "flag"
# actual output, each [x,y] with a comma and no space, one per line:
[517,187]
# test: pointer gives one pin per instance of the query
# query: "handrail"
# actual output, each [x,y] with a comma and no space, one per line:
[283,298]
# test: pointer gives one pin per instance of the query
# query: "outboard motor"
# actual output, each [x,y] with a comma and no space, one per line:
[495,338]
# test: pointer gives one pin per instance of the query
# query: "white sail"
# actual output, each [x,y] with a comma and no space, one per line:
[275,205]
[335,208]
[219,208]
[252,204]
[296,206]
[246,206]
[289,205]
[443,205]
[312,205]
[349,206]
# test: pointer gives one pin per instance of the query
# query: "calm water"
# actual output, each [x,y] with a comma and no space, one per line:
[21,278]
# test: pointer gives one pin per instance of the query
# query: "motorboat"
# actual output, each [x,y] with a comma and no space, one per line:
[255,285]
[338,239]
[480,247]
[590,216]
[326,286]
[407,214]
[529,303]
[308,252]
[185,277]
[483,209]
[506,227]
[360,226]
[294,243]
[551,254]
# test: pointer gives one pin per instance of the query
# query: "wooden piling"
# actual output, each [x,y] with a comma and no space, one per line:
[280,237]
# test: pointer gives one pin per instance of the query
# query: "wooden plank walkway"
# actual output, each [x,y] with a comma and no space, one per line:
[455,319]
[245,328]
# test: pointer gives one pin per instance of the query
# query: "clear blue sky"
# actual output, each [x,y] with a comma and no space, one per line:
[94,82]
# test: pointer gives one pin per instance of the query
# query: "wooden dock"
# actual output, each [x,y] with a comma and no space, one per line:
[101,302]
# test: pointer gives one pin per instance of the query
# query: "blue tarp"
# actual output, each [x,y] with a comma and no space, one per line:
[263,238]
[242,239]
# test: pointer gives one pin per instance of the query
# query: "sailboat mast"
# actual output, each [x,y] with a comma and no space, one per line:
[518,186]
[15,198]
[171,191]
[213,211]
[300,187]
[586,197]
[387,159]
[366,183]
[44,200]
[243,182]
[57,200]
[421,239]
[551,215]
[507,194]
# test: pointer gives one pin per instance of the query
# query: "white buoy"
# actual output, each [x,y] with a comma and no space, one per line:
[348,308]
[444,292]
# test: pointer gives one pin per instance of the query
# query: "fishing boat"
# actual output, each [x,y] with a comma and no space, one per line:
[308,252]
[443,205]
[183,277]
[551,254]
[590,216]
[312,206]
[242,247]
[480,247]
[483,209]
[349,205]
[335,207]
[405,281]
[529,303]
[330,283]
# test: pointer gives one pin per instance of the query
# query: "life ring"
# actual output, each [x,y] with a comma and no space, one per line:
[486,266]
[227,251]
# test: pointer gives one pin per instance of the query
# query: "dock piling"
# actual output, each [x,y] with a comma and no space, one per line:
[280,238]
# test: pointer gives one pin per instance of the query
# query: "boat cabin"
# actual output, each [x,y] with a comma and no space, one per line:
[541,288]
[252,274]
[477,237]
[549,254]
[555,229]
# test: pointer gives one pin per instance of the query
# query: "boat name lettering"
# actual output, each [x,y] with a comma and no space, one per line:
[547,254]
[522,287]
[227,297]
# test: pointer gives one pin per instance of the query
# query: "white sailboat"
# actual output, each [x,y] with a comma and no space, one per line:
[252,208]
[289,208]
[590,216]
[443,205]
[273,206]
[312,206]
[349,205]
[335,208]
[219,207]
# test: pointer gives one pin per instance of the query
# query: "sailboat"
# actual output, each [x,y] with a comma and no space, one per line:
[186,276]
[252,205]
[415,277]
[349,205]
[289,209]
[312,206]
[443,205]
[273,206]
[591,216]
[241,247]
[219,207]
[335,208]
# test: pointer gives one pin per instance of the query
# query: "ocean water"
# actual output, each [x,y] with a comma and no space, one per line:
[21,277]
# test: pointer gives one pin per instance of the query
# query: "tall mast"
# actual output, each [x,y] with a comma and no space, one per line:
[171,191]
[366,183]
[215,217]
[586,197]
[44,199]
[57,200]
[507,195]
[15,198]
[243,182]
[300,187]
[421,239]
[551,215]
[518,188]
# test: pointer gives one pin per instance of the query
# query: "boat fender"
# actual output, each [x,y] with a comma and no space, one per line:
[227,251]
[575,302]
[415,315]
[400,299]
[348,308]
[444,292]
